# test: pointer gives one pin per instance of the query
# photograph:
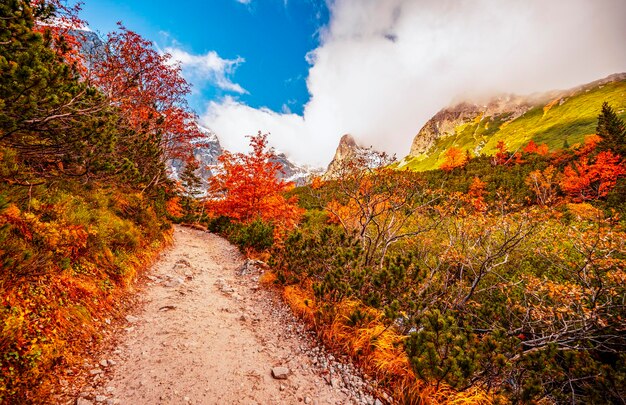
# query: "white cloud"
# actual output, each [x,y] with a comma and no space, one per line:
[230,116]
[385,66]
[244,1]
[205,69]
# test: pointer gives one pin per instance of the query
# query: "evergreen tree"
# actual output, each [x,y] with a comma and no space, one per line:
[52,119]
[611,129]
[190,180]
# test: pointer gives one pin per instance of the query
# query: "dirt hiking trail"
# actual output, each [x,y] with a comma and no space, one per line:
[206,333]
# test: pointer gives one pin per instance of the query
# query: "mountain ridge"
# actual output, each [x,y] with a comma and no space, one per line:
[556,117]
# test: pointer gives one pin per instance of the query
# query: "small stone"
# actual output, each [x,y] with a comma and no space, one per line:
[307,400]
[280,373]
[186,399]
[182,263]
[175,282]
[104,363]
[112,362]
[95,371]
[378,402]
[83,401]
[100,398]
[282,387]
[131,319]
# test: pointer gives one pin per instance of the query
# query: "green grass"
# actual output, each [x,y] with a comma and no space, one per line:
[570,121]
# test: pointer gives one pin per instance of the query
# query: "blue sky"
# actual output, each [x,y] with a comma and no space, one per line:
[309,71]
[270,37]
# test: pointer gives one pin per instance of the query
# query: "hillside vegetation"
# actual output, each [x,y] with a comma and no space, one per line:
[563,120]
[493,277]
[496,279]
[83,191]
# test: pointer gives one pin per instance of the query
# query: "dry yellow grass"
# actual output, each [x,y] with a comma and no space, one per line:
[376,347]
[268,279]
[299,303]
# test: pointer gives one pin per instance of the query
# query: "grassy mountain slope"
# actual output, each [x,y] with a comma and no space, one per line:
[565,119]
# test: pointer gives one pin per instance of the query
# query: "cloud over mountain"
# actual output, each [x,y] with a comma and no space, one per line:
[384,67]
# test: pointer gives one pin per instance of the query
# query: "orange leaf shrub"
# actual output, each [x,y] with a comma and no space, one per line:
[455,158]
[584,180]
[173,207]
[248,189]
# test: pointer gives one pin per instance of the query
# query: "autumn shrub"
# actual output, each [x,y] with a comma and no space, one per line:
[467,298]
[83,185]
[66,259]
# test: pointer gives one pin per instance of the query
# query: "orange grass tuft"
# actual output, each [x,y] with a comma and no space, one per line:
[300,303]
[377,348]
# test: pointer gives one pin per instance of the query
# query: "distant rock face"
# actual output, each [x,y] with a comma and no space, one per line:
[447,120]
[207,150]
[442,124]
[91,44]
[346,149]
[299,175]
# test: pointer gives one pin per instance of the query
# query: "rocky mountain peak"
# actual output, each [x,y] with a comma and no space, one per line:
[347,146]
[348,149]
[347,141]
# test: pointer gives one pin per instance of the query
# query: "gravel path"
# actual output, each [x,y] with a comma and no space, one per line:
[208,334]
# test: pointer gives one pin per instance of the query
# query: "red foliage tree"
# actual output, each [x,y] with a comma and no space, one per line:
[589,146]
[531,147]
[248,188]
[502,156]
[147,87]
[150,93]
[583,180]
[543,149]
[476,194]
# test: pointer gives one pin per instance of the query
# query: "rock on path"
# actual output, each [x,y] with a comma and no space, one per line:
[207,334]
